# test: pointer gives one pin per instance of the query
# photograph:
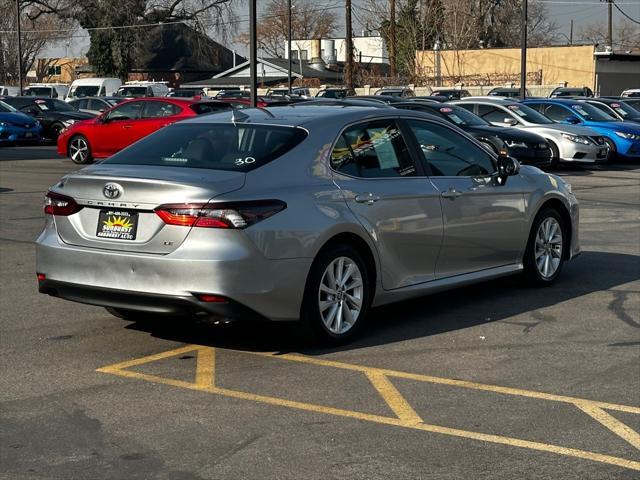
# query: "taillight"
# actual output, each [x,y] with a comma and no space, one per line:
[232,215]
[57,204]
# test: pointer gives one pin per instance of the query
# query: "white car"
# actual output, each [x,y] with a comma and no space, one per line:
[47,90]
[631,92]
[93,87]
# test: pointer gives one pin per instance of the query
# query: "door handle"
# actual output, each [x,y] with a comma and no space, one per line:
[127,126]
[452,193]
[368,198]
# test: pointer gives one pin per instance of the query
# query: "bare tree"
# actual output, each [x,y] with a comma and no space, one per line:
[307,22]
[626,35]
[38,33]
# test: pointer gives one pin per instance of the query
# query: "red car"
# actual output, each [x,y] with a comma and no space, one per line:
[127,123]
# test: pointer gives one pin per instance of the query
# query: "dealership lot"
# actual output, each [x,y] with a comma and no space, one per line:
[489,381]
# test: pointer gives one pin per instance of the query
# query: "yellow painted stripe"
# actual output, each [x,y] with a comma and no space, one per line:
[149,358]
[451,382]
[616,426]
[496,439]
[393,398]
[206,367]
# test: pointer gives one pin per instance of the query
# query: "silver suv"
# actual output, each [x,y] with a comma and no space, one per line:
[306,212]
[569,143]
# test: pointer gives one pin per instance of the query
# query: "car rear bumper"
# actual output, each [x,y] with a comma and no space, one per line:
[169,283]
[19,135]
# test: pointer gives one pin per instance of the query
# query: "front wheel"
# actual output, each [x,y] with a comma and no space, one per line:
[544,255]
[337,295]
[79,150]
[612,154]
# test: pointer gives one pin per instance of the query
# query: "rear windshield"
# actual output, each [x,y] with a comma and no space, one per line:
[5,108]
[224,146]
[461,116]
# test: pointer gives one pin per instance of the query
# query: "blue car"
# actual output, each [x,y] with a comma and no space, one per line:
[623,138]
[17,127]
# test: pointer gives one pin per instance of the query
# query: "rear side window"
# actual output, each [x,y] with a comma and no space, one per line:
[373,150]
[202,108]
[160,109]
[222,146]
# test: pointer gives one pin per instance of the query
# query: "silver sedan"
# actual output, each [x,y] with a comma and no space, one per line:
[569,143]
[308,213]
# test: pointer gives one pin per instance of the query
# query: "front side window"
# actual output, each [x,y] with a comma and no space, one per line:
[84,91]
[556,113]
[591,113]
[446,153]
[492,114]
[222,146]
[128,111]
[373,150]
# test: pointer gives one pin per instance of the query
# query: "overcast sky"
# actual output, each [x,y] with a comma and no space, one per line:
[582,12]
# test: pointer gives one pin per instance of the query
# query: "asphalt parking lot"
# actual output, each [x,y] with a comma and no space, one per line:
[493,381]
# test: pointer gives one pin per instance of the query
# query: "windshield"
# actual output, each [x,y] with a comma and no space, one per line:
[54,105]
[224,146]
[528,114]
[37,91]
[461,116]
[132,92]
[84,91]
[592,114]
[624,110]
[5,108]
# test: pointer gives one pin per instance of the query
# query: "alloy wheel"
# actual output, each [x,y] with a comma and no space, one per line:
[340,295]
[548,247]
[79,150]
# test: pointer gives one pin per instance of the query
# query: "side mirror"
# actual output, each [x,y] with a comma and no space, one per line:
[572,120]
[507,167]
[510,121]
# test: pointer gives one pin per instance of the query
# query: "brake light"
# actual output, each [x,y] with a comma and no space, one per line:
[204,297]
[233,215]
[61,205]
[41,277]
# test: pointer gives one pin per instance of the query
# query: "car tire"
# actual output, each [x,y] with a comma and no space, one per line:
[79,150]
[335,309]
[55,129]
[555,155]
[613,151]
[545,252]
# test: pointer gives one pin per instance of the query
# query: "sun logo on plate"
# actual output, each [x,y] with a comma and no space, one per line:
[118,222]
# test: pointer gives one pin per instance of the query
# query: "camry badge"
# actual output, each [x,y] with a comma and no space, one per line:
[112,190]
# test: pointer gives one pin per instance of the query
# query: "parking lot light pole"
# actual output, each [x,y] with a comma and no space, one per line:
[20,79]
[523,54]
[253,53]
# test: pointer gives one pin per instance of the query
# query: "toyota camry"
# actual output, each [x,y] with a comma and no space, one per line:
[309,213]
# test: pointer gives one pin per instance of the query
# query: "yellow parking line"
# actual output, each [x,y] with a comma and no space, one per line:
[407,417]
[393,398]
[452,382]
[612,423]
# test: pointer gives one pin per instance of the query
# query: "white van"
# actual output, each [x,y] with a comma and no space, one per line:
[93,87]
[48,90]
[143,89]
[7,91]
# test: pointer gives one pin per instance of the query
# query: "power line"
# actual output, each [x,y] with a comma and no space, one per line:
[623,13]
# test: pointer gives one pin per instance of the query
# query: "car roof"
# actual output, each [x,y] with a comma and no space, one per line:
[558,101]
[491,100]
[299,115]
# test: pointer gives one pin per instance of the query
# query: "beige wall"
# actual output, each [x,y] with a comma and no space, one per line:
[39,71]
[574,65]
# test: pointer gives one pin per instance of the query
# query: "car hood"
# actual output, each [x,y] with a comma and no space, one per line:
[16,117]
[568,128]
[506,133]
[618,126]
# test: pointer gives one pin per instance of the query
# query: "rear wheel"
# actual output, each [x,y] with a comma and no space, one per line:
[337,295]
[79,150]
[544,255]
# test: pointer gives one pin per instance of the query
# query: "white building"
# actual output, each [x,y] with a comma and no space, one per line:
[366,50]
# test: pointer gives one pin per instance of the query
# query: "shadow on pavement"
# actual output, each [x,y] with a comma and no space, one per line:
[31,152]
[429,315]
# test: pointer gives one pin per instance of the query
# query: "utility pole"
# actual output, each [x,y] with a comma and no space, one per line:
[348,68]
[571,33]
[523,52]
[20,79]
[253,53]
[289,49]
[610,23]
[392,38]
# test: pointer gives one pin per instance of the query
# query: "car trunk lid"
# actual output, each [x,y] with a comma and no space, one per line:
[118,203]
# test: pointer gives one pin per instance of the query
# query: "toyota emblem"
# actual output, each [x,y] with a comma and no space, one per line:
[112,190]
